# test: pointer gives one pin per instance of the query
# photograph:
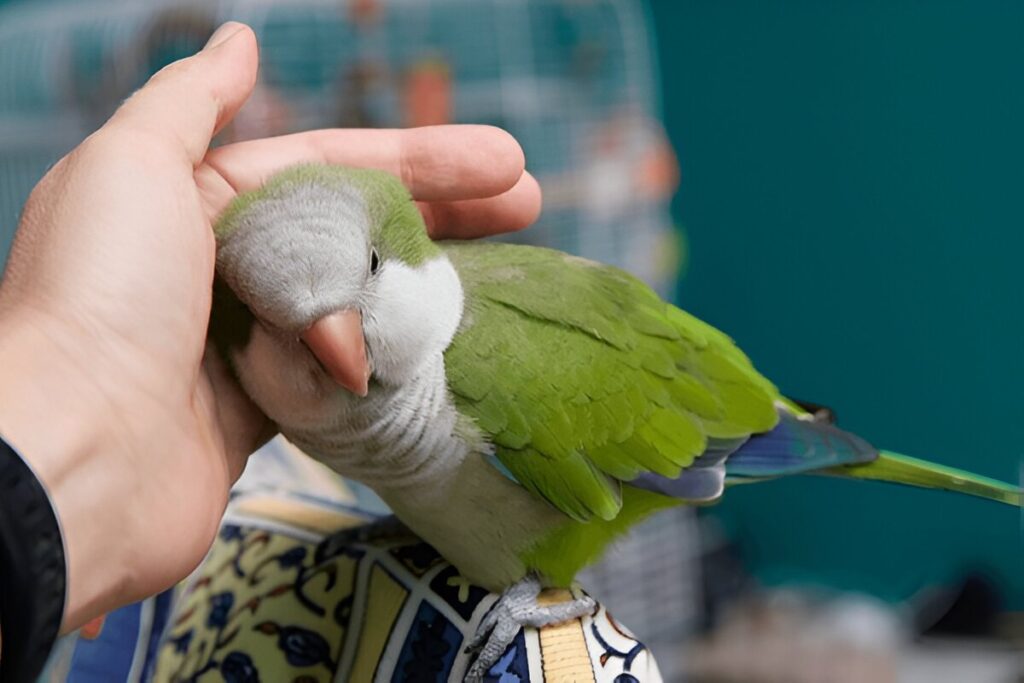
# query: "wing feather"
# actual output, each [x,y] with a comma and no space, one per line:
[585,379]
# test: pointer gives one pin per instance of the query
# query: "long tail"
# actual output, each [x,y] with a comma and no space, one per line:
[807,442]
[902,469]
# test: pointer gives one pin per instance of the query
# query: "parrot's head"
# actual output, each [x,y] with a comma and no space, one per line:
[348,291]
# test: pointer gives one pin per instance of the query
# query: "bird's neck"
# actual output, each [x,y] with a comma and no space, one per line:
[394,438]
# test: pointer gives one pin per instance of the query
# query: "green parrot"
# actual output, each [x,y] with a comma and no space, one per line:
[516,407]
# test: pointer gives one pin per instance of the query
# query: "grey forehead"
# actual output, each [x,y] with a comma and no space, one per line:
[337,207]
[287,257]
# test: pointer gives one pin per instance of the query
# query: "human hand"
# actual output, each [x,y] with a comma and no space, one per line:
[105,385]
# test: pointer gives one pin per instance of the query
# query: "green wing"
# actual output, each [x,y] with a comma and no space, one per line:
[584,378]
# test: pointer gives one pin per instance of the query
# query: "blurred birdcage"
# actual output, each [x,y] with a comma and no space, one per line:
[575,81]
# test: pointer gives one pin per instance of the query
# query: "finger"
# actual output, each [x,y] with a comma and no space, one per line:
[436,163]
[187,102]
[510,211]
[242,426]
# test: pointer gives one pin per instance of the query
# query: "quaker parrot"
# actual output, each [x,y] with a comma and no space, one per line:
[516,407]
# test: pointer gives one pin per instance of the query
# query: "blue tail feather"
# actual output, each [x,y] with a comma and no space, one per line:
[798,445]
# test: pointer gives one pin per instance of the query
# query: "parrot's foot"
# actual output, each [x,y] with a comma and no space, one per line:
[518,607]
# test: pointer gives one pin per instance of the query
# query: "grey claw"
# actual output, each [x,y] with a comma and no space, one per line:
[517,607]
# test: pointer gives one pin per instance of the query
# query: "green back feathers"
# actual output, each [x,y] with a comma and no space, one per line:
[583,377]
[398,230]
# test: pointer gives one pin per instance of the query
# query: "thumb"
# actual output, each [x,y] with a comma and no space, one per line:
[186,103]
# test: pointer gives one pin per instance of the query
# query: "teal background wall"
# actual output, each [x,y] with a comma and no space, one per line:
[853,175]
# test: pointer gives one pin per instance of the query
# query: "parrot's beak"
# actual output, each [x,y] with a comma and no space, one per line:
[337,342]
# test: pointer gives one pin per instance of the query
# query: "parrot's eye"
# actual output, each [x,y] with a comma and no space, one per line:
[374,262]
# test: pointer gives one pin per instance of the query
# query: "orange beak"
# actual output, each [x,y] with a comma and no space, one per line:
[337,342]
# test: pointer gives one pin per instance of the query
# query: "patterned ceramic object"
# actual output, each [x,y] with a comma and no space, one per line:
[276,601]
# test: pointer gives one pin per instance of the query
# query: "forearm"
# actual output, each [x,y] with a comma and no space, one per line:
[58,430]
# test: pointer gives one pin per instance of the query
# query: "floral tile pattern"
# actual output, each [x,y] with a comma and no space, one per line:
[273,604]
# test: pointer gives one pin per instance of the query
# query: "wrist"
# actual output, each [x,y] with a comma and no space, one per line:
[56,423]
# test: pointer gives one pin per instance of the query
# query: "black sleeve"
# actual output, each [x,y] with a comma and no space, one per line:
[33,575]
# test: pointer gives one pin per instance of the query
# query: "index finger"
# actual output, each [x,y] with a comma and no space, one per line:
[436,163]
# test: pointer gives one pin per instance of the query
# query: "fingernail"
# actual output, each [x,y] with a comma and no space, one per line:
[222,34]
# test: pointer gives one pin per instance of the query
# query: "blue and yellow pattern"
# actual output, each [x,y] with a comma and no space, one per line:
[272,603]
[310,590]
